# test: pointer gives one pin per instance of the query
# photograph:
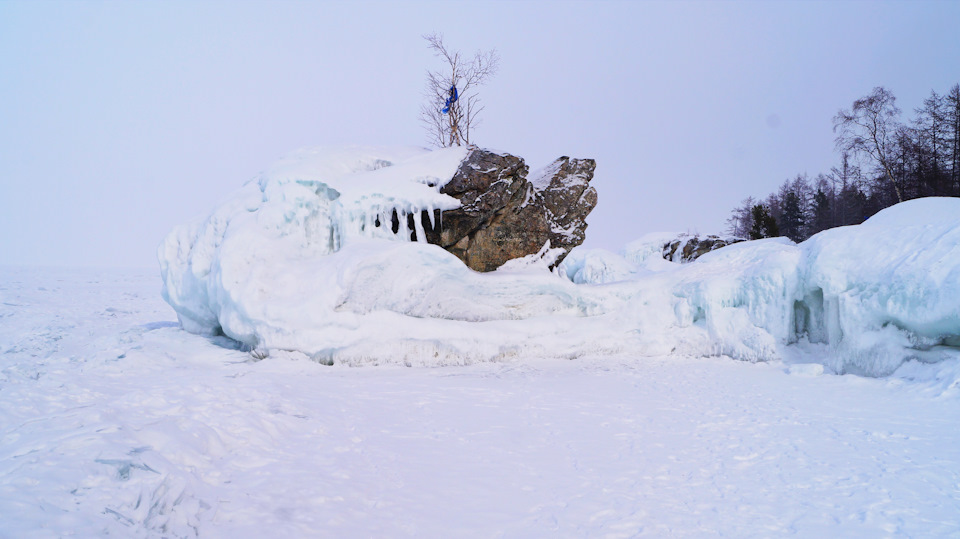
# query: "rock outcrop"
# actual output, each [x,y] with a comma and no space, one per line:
[688,248]
[506,215]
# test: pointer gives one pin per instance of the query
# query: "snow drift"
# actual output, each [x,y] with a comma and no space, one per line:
[299,260]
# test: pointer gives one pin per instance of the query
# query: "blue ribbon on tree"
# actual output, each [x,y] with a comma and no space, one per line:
[450,100]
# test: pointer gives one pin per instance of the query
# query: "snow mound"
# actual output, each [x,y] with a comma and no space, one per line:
[302,258]
[647,248]
[596,266]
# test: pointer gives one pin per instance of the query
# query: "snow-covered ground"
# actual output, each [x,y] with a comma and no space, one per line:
[602,399]
[114,421]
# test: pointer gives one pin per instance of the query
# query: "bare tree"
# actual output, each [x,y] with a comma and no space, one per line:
[953,119]
[741,220]
[452,106]
[871,128]
[843,178]
[932,130]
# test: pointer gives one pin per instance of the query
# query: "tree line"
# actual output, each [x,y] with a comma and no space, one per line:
[883,161]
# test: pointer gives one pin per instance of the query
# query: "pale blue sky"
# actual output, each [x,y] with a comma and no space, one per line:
[119,120]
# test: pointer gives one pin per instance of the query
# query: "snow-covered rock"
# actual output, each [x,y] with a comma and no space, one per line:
[689,247]
[301,259]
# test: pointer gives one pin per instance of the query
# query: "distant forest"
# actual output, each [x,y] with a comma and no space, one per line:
[883,161]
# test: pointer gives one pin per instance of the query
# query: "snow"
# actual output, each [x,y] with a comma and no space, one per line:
[841,420]
[541,177]
[641,257]
[647,248]
[596,266]
[118,423]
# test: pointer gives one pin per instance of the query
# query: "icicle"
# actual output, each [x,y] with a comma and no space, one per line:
[418,225]
[336,224]
[433,224]
[403,231]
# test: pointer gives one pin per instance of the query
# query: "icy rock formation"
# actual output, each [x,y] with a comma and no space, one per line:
[314,255]
[503,215]
[269,244]
[687,247]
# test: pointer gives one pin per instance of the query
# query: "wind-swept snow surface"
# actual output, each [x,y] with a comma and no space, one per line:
[117,423]
[301,260]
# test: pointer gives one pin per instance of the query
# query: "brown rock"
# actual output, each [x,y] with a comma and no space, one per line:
[503,215]
[568,198]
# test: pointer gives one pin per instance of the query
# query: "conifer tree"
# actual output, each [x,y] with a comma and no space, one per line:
[822,212]
[791,217]
[764,225]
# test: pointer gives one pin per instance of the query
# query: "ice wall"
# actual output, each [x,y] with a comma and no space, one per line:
[875,295]
[886,289]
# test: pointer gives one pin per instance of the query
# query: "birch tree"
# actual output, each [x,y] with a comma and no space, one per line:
[871,128]
[452,105]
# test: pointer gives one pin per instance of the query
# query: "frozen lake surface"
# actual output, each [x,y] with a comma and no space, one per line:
[116,422]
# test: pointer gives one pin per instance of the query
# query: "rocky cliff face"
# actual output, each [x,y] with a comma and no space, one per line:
[506,215]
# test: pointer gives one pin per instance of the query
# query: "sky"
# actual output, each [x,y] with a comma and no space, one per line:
[121,120]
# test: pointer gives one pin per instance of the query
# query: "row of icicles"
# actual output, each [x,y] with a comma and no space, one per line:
[395,223]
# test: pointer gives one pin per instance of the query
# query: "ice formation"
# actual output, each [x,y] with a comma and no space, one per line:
[886,289]
[301,259]
[309,204]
